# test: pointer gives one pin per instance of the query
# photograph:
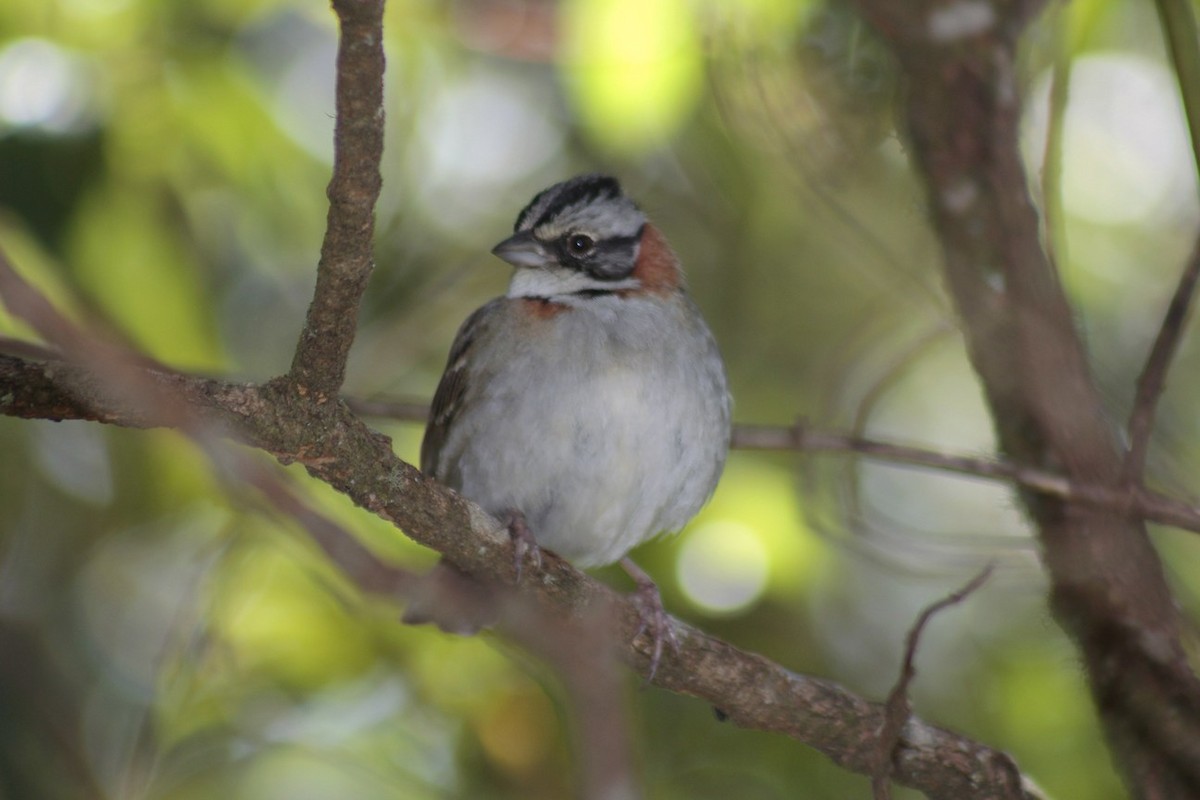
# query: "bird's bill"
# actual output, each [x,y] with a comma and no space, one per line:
[523,250]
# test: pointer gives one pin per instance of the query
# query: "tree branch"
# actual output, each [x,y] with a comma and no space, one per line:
[337,448]
[1153,378]
[319,365]
[1124,501]
[1108,587]
[1179,29]
[898,706]
[1178,20]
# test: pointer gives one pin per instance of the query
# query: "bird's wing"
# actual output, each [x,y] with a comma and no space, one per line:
[448,398]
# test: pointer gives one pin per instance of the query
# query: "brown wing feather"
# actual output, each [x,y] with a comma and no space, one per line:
[451,389]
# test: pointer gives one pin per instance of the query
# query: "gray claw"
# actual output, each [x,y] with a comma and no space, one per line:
[524,543]
[653,618]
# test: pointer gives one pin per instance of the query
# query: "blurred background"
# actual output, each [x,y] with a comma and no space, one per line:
[163,166]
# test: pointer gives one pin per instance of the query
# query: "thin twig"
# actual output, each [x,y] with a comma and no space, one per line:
[1153,378]
[898,708]
[1152,505]
[1052,154]
[1180,31]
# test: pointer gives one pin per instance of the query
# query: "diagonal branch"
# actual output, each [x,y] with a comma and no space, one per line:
[319,365]
[752,691]
[1153,378]
[1178,20]
[1179,28]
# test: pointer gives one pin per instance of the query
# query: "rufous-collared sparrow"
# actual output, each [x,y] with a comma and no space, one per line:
[590,402]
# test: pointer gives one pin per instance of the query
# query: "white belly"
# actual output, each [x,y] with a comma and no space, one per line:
[599,453]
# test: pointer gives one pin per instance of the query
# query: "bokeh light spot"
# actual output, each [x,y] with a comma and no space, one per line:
[723,566]
[517,731]
[44,86]
[1125,147]
[483,133]
[635,68]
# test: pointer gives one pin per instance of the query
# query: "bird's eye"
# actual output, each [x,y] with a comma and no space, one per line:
[580,244]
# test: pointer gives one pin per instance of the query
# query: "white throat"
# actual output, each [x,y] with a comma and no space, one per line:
[557,281]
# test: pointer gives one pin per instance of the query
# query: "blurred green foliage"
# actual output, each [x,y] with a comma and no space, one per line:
[162,167]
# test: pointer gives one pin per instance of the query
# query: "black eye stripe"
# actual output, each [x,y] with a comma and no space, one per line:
[618,245]
[620,242]
[614,246]
[608,260]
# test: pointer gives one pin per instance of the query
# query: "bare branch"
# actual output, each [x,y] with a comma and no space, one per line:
[1108,587]
[338,449]
[1178,20]
[1179,29]
[898,708]
[1153,379]
[801,438]
[1052,153]
[319,365]
[1138,502]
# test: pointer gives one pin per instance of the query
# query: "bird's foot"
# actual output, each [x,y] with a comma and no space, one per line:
[524,544]
[653,618]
